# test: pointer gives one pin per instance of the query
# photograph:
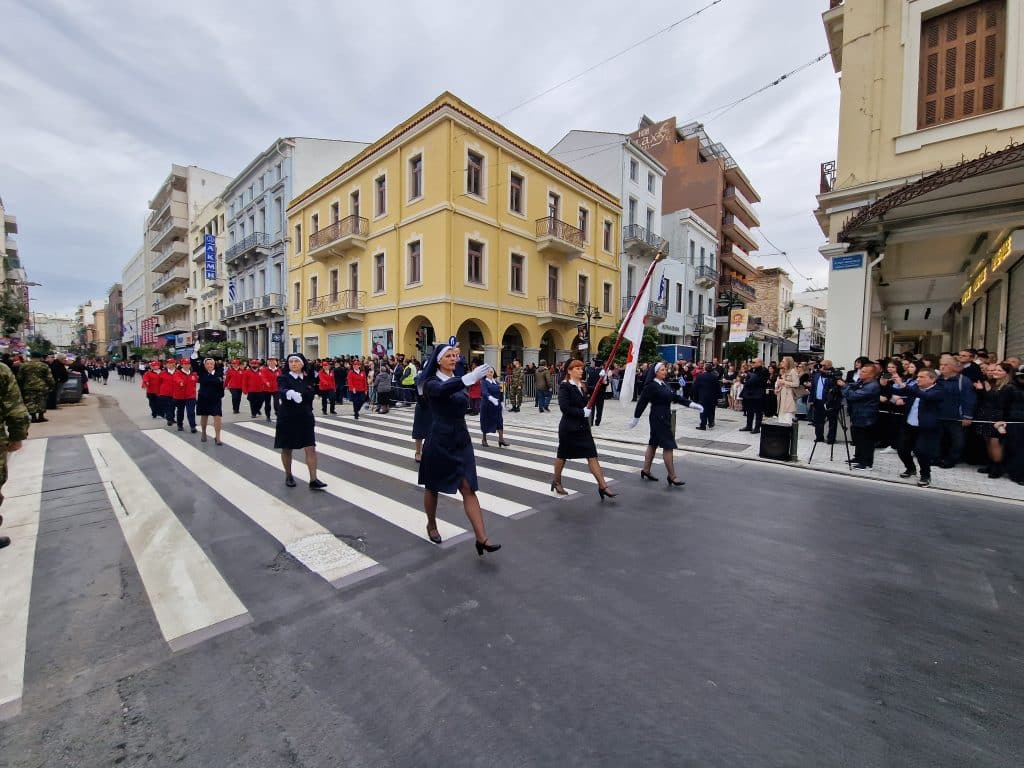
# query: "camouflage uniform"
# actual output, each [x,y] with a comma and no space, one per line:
[515,389]
[36,380]
[14,419]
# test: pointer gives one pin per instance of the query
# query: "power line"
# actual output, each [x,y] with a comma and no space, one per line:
[782,253]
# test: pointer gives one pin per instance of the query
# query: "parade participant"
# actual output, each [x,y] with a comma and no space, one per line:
[421,418]
[184,394]
[210,399]
[233,379]
[325,385]
[448,463]
[151,386]
[491,408]
[252,388]
[357,386]
[269,375]
[14,421]
[166,391]
[660,396]
[515,389]
[295,423]
[575,440]
[382,383]
[35,380]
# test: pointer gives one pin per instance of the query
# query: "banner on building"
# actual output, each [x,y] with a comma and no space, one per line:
[804,341]
[146,328]
[738,325]
[211,257]
[583,336]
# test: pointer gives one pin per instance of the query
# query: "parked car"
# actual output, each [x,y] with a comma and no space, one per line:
[71,391]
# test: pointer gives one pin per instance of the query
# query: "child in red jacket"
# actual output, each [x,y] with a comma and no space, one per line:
[326,384]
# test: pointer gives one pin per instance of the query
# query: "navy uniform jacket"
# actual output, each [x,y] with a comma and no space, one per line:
[448,452]
[575,440]
[660,396]
[862,399]
[295,424]
[707,388]
[754,384]
[930,409]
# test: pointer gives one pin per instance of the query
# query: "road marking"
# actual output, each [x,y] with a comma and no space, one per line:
[302,537]
[23,496]
[495,504]
[403,516]
[190,599]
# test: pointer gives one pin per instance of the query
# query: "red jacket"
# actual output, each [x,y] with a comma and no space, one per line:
[185,385]
[151,382]
[166,384]
[251,381]
[233,378]
[268,379]
[357,381]
[325,381]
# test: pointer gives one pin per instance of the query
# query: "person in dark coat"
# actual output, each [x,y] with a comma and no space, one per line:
[210,398]
[595,376]
[295,423]
[448,464]
[824,408]
[60,375]
[491,400]
[660,397]
[574,438]
[755,382]
[922,400]
[863,398]
[706,389]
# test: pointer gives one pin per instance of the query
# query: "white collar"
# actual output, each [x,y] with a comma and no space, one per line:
[295,375]
[658,381]
[443,376]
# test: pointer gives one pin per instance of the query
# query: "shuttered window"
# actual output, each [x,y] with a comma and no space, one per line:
[962,63]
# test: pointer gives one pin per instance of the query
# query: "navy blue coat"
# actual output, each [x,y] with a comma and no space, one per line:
[490,415]
[295,423]
[959,398]
[812,389]
[928,412]
[706,388]
[862,399]
[575,440]
[754,384]
[660,396]
[448,452]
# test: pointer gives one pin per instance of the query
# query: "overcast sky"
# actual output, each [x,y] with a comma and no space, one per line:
[99,97]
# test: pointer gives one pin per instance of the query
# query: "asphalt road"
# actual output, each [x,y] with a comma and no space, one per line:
[757,617]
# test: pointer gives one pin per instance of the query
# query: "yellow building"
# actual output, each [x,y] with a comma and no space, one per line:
[451,225]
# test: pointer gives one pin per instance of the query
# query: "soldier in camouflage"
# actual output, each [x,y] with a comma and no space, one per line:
[35,380]
[14,423]
[515,389]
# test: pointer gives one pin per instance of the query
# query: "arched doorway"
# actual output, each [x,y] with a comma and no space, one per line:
[419,337]
[548,345]
[511,346]
[471,341]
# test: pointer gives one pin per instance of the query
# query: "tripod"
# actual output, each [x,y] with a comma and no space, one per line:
[841,413]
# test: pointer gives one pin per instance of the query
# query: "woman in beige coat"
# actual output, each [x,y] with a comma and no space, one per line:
[788,389]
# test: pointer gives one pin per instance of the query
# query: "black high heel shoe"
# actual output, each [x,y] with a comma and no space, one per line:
[647,475]
[484,546]
[556,486]
[673,481]
[502,444]
[603,492]
[434,536]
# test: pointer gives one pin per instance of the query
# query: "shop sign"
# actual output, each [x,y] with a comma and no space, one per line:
[987,269]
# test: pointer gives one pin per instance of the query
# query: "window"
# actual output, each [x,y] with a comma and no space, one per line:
[278,214]
[415,177]
[689,303]
[584,224]
[277,172]
[606,236]
[297,295]
[650,182]
[413,261]
[241,230]
[962,63]
[630,280]
[693,249]
[261,183]
[353,277]
[335,212]
[334,282]
[475,174]
[517,268]
[634,170]
[632,211]
[582,289]
[679,298]
[475,263]
[353,203]
[298,238]
[700,304]
[650,220]
[554,205]
[312,288]
[314,223]
[380,196]
[378,273]
[606,299]
[515,193]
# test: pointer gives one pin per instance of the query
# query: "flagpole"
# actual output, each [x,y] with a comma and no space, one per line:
[601,382]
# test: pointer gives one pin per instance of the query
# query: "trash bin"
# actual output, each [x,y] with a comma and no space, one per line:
[779,441]
[71,390]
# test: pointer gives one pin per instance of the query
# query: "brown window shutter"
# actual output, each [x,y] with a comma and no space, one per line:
[962,63]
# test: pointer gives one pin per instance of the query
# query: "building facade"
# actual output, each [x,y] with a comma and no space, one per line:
[691,282]
[15,284]
[59,330]
[771,313]
[207,287]
[451,225]
[256,200]
[810,308]
[115,319]
[137,300]
[922,206]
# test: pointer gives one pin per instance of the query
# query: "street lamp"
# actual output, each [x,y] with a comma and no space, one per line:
[590,312]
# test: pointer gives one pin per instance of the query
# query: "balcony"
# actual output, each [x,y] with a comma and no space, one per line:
[171,303]
[267,304]
[739,289]
[10,224]
[706,276]
[171,279]
[175,228]
[828,176]
[551,309]
[337,306]
[175,253]
[339,237]
[557,237]
[257,243]
[737,231]
[656,311]
[638,241]
[738,205]
[176,204]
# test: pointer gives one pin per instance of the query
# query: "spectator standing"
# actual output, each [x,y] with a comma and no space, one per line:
[755,382]
[863,399]
[706,390]
[995,404]
[543,387]
[60,375]
[959,400]
[789,389]
[824,408]
[922,400]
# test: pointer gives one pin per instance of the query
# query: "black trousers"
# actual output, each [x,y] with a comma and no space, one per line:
[951,435]
[819,416]
[863,445]
[167,408]
[755,412]
[256,402]
[236,399]
[707,418]
[598,409]
[326,398]
[922,443]
[154,405]
[185,408]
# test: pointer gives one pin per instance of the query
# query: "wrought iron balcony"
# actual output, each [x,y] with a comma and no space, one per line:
[556,236]
[638,241]
[738,287]
[828,175]
[257,241]
[706,276]
[656,310]
[342,235]
[336,306]
[268,303]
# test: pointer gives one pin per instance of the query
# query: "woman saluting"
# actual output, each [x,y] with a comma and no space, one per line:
[660,396]
[448,463]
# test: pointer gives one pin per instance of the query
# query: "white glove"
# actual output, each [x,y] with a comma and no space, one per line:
[492,399]
[587,412]
[475,375]
[294,396]
[633,422]
[604,374]
[697,407]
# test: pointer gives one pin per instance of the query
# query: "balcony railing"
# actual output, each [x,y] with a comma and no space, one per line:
[246,245]
[656,310]
[340,302]
[342,232]
[178,274]
[707,276]
[738,287]
[555,234]
[550,305]
[268,302]
[739,231]
[828,175]
[633,235]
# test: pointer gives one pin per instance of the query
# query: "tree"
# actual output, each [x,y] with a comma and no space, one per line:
[142,353]
[648,347]
[12,312]
[222,350]
[40,347]
[737,352]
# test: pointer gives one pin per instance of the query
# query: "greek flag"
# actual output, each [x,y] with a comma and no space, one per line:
[662,289]
[231,289]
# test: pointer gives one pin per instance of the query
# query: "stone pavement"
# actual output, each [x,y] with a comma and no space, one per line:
[726,440]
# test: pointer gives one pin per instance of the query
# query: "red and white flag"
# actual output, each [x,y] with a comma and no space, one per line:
[632,331]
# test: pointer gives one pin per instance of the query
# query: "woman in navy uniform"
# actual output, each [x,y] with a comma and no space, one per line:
[295,424]
[660,397]
[421,418]
[209,401]
[491,419]
[448,464]
[574,438]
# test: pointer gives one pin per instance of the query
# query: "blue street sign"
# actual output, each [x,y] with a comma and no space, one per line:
[850,261]
[275,338]
[452,341]
[211,257]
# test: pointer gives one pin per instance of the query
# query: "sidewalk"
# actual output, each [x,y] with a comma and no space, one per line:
[726,440]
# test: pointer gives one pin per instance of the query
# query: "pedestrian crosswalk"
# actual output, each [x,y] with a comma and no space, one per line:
[198,521]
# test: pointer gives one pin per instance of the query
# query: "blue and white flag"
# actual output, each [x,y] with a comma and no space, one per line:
[231,289]
[662,289]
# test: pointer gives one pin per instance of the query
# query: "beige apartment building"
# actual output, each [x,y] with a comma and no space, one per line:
[923,206]
[207,287]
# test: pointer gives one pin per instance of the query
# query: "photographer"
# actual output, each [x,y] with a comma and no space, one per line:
[862,399]
[824,402]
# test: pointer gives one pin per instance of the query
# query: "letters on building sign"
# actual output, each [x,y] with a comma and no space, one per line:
[987,269]
[653,135]
[1001,254]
